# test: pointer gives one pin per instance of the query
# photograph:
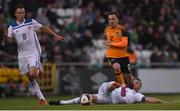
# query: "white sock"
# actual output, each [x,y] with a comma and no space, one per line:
[35,87]
[71,101]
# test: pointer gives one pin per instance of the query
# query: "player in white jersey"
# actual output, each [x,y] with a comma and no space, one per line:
[109,93]
[29,50]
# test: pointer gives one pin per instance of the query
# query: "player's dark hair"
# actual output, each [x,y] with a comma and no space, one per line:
[139,80]
[19,6]
[114,13]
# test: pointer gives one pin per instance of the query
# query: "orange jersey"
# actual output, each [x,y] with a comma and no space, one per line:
[114,36]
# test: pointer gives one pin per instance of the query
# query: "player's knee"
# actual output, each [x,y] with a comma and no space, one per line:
[116,67]
[34,73]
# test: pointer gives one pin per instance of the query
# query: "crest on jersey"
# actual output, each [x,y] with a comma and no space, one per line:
[117,34]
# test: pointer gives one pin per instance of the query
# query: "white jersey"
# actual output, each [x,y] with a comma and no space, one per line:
[131,96]
[26,37]
[104,96]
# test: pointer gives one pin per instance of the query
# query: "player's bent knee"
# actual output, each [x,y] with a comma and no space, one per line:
[34,74]
[116,67]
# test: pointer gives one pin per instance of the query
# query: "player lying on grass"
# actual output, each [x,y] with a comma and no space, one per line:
[109,93]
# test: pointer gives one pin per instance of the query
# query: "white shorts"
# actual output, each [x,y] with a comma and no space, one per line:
[27,62]
[103,99]
[104,88]
[104,96]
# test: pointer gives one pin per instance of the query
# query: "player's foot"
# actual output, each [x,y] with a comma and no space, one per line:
[54,102]
[42,102]
[123,91]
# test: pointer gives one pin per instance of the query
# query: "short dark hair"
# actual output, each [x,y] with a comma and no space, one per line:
[114,13]
[139,81]
[19,6]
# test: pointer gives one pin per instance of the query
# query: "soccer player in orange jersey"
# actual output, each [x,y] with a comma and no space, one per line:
[116,53]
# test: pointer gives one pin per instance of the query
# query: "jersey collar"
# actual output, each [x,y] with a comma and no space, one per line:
[20,23]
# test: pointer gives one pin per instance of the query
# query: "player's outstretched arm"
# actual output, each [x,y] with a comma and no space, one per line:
[49,31]
[154,100]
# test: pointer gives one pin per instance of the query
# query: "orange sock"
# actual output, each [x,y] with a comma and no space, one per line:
[130,78]
[120,78]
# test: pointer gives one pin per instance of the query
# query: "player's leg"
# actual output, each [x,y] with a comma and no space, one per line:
[101,99]
[117,70]
[34,67]
[114,63]
[76,100]
[64,102]
[107,87]
[32,75]
[129,77]
[29,67]
[126,70]
[118,73]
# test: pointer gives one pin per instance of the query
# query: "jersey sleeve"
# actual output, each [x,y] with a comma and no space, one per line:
[10,32]
[139,97]
[36,25]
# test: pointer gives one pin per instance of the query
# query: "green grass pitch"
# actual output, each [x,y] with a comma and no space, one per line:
[31,103]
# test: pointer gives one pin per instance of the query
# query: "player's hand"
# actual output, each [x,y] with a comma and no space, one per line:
[115,85]
[58,37]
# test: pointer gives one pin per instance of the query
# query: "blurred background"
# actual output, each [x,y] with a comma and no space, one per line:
[78,64]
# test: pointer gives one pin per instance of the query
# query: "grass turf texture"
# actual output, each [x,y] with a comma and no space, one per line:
[31,103]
